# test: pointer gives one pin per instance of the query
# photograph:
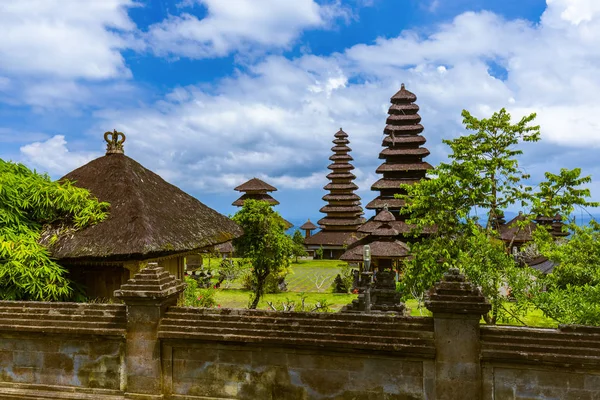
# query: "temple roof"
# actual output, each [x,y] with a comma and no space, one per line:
[333,238]
[148,217]
[403,95]
[403,164]
[384,215]
[379,249]
[378,203]
[309,226]
[511,232]
[343,210]
[381,238]
[254,185]
[340,134]
[255,196]
[402,154]
[542,264]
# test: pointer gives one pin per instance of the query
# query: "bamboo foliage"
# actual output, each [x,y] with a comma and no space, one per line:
[29,202]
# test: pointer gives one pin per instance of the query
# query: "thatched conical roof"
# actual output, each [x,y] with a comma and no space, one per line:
[148,217]
[257,189]
[381,248]
[383,240]
[309,226]
[255,185]
[512,232]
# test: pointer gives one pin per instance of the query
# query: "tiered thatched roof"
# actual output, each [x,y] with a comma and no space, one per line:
[402,154]
[148,216]
[343,210]
[383,241]
[513,232]
[257,189]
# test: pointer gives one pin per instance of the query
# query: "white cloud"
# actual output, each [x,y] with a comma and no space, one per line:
[53,156]
[576,11]
[237,25]
[276,121]
[65,38]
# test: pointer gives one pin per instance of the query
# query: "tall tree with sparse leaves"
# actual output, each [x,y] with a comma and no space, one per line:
[28,202]
[264,243]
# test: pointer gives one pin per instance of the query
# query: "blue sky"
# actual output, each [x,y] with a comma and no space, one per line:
[211,93]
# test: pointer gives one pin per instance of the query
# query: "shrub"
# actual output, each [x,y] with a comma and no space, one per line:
[339,285]
[195,297]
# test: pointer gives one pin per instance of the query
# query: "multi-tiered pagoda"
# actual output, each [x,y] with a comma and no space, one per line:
[257,190]
[403,164]
[343,210]
[403,158]
[403,153]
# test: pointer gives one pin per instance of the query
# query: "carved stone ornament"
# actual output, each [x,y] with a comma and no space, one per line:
[114,145]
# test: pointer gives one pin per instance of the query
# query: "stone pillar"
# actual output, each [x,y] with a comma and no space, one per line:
[457,307]
[147,296]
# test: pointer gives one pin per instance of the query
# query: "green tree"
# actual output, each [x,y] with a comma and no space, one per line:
[571,292]
[264,243]
[299,249]
[319,253]
[482,179]
[29,202]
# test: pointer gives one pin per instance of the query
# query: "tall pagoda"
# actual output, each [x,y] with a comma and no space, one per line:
[403,164]
[343,212]
[402,153]
[403,159]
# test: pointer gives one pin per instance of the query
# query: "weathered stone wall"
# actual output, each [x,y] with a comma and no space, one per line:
[525,363]
[245,354]
[61,346]
[149,349]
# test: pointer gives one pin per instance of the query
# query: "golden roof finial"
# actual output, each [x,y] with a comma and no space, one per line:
[114,145]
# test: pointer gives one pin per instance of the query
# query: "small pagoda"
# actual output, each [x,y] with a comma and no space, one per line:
[385,252]
[308,227]
[403,159]
[386,248]
[343,212]
[257,189]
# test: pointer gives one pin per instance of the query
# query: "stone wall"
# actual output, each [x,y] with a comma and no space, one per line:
[148,349]
[48,346]
[246,354]
[520,364]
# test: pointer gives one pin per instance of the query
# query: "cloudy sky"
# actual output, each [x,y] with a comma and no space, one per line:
[211,93]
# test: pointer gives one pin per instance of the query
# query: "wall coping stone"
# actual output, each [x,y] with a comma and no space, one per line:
[455,295]
[150,283]
[67,318]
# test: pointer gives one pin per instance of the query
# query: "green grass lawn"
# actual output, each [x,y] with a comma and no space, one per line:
[314,279]
[236,298]
[313,275]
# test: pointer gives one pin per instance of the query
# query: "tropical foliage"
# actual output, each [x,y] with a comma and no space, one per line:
[460,210]
[264,244]
[29,202]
